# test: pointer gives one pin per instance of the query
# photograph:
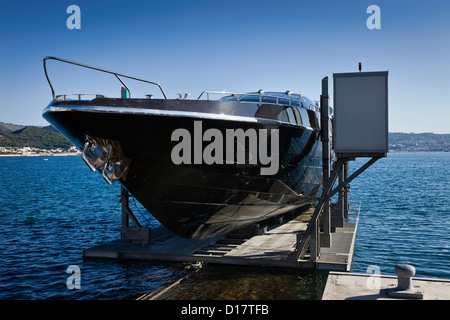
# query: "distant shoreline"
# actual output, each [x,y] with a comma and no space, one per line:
[66,154]
[63,154]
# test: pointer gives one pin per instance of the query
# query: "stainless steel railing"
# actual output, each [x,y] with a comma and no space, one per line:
[261,96]
[117,75]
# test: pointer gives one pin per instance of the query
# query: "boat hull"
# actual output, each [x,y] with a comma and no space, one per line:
[197,200]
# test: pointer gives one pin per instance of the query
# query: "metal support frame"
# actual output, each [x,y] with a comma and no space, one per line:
[137,233]
[314,238]
[309,237]
[127,214]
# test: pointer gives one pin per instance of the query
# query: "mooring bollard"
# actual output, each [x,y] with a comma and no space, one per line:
[405,288]
[404,273]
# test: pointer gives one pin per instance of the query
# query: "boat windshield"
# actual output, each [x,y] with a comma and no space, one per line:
[283,98]
[265,99]
[269,97]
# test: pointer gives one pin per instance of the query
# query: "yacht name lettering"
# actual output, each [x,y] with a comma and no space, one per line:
[191,150]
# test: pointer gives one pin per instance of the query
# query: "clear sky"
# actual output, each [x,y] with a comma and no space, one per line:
[246,45]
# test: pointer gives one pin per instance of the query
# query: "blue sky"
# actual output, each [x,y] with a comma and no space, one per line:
[191,46]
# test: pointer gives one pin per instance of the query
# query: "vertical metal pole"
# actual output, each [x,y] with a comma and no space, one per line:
[125,205]
[346,193]
[124,196]
[325,137]
[341,196]
[314,243]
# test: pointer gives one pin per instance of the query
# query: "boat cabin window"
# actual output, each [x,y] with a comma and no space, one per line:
[297,116]
[291,116]
[304,116]
[313,120]
[283,116]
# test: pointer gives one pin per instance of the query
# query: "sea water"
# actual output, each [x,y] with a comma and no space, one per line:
[51,208]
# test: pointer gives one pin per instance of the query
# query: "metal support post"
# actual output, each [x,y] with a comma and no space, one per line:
[346,199]
[137,233]
[125,206]
[127,214]
[339,219]
[314,243]
[325,237]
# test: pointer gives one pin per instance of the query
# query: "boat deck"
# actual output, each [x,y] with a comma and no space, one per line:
[275,247]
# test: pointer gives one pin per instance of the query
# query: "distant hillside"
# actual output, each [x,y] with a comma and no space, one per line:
[427,141]
[18,136]
[34,137]
[8,127]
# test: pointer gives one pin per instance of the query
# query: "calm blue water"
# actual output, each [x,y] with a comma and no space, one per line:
[50,210]
[405,214]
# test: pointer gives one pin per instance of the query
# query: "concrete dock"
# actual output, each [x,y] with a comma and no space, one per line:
[356,286]
[275,247]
